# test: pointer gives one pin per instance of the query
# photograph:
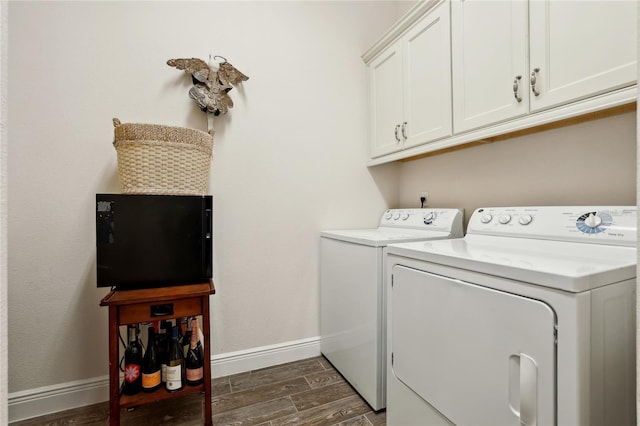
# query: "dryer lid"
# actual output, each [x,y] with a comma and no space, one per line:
[380,237]
[569,266]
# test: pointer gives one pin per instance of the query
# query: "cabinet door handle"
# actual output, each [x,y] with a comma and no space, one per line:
[516,84]
[533,81]
[396,132]
[404,130]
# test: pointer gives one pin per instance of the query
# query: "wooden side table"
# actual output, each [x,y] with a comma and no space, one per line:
[152,304]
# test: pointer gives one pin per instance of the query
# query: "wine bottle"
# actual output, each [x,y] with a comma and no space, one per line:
[151,369]
[178,325]
[163,341]
[186,338]
[132,362]
[195,358]
[175,364]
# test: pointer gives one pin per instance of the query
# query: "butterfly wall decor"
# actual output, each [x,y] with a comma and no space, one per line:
[211,87]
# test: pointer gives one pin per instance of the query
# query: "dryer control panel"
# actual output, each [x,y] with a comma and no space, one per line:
[615,225]
[429,219]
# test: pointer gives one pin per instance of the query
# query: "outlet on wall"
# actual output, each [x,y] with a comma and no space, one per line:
[424,197]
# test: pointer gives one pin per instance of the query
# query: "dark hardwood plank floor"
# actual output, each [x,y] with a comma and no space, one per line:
[307,392]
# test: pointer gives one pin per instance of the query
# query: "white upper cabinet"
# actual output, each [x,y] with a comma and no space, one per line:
[454,72]
[410,86]
[427,79]
[489,56]
[580,49]
[385,85]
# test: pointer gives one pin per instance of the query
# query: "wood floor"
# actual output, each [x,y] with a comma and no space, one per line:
[307,392]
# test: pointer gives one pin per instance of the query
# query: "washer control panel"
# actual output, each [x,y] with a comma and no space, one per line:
[428,219]
[602,224]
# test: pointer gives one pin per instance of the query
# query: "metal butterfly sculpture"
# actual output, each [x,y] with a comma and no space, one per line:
[210,87]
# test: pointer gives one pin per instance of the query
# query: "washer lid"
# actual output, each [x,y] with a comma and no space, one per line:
[380,237]
[568,266]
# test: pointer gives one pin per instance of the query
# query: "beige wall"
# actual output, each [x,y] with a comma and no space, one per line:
[289,160]
[403,6]
[591,163]
[4,412]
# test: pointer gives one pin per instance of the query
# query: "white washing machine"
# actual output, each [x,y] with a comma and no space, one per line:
[352,301]
[527,320]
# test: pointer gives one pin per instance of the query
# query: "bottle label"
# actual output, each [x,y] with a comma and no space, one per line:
[163,369]
[131,372]
[195,374]
[174,377]
[151,380]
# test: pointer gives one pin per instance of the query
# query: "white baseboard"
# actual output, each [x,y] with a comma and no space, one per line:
[265,356]
[51,399]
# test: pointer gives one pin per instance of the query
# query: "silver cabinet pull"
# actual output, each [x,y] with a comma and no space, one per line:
[404,130]
[516,84]
[533,81]
[396,132]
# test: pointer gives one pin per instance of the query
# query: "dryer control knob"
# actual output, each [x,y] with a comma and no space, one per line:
[486,218]
[405,216]
[429,217]
[396,216]
[504,219]
[525,219]
[388,215]
[593,221]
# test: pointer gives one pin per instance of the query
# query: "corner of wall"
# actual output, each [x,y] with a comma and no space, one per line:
[4,24]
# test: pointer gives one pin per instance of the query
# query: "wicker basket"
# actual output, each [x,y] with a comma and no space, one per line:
[155,159]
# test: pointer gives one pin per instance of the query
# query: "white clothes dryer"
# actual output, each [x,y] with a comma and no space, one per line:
[527,320]
[352,300]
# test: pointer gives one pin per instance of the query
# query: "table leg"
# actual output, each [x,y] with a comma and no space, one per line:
[206,325]
[114,374]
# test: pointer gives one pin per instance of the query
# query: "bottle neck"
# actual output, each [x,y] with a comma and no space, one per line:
[174,333]
[133,337]
[194,333]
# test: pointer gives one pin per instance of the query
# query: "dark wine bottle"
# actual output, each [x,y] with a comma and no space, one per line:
[194,361]
[186,337]
[132,362]
[151,368]
[175,364]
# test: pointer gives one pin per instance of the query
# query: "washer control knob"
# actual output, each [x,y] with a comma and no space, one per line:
[593,221]
[525,219]
[405,216]
[429,217]
[396,216]
[388,215]
[486,218]
[504,219]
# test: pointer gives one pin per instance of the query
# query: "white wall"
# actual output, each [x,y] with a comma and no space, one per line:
[591,163]
[289,160]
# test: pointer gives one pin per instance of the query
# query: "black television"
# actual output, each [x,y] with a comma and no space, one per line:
[153,240]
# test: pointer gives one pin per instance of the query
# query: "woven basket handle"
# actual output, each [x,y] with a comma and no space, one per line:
[116,122]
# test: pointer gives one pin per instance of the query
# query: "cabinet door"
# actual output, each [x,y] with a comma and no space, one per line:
[489,56]
[385,83]
[427,78]
[580,49]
